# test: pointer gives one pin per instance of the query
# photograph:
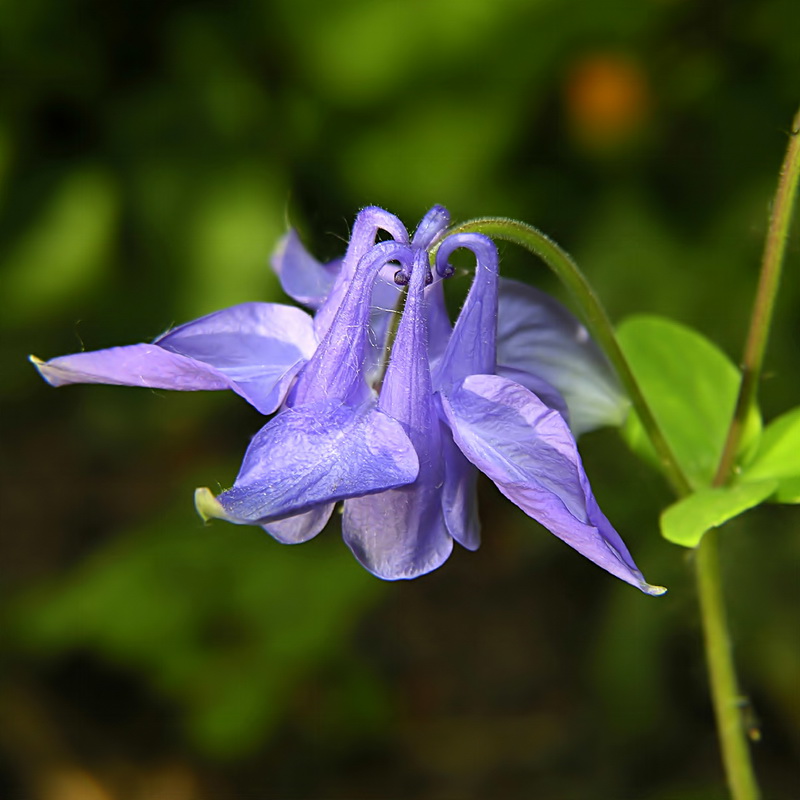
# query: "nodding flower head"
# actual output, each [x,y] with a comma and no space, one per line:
[395,421]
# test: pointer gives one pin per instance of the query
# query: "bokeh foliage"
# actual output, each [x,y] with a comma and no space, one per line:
[150,156]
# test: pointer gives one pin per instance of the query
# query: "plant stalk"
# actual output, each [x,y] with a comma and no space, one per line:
[728,703]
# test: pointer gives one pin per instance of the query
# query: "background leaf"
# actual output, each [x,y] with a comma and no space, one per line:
[686,521]
[778,456]
[691,387]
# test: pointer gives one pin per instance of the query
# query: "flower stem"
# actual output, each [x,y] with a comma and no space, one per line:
[728,702]
[595,318]
[725,692]
[769,280]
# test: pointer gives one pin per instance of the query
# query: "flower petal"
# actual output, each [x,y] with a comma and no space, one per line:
[472,345]
[439,325]
[258,346]
[528,451]
[255,349]
[402,533]
[459,495]
[399,534]
[302,277]
[537,334]
[547,393]
[317,454]
[300,527]
[369,221]
[146,365]
[337,368]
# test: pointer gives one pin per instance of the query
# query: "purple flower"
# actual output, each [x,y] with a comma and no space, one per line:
[401,445]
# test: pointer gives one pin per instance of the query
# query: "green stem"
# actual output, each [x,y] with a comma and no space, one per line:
[764,304]
[725,691]
[596,319]
[725,696]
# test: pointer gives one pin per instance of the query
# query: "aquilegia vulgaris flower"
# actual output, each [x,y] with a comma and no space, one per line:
[394,420]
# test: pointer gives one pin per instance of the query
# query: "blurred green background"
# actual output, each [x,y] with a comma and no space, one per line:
[151,154]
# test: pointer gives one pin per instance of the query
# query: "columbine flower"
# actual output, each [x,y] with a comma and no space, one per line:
[463,419]
[402,449]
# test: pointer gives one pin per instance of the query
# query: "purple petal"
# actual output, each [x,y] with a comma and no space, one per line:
[399,534]
[472,347]
[527,449]
[369,221]
[459,495]
[300,527]
[385,296]
[439,326]
[302,277]
[337,368]
[318,454]
[255,349]
[548,394]
[538,335]
[258,346]
[146,365]
[402,533]
[431,227]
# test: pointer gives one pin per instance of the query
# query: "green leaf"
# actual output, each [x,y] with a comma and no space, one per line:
[686,521]
[691,387]
[778,456]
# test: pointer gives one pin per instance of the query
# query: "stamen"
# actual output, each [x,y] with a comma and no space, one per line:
[445,270]
[402,277]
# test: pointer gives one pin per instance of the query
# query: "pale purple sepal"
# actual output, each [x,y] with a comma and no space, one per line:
[439,326]
[539,335]
[302,277]
[255,349]
[529,452]
[300,528]
[318,454]
[402,533]
[548,394]
[460,494]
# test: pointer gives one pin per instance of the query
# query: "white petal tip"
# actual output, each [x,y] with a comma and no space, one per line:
[37,362]
[654,591]
[208,507]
